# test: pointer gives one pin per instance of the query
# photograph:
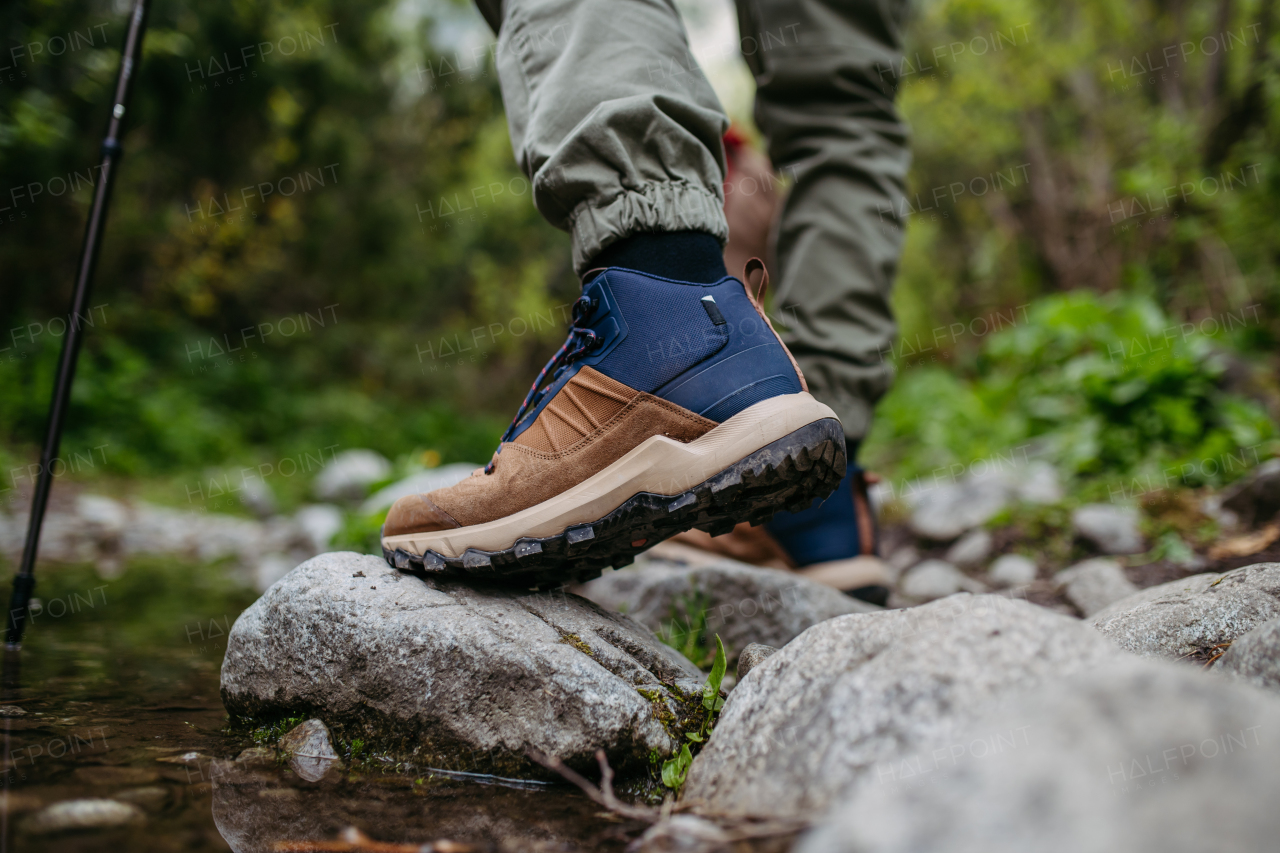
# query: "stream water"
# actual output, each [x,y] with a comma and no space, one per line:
[115,696]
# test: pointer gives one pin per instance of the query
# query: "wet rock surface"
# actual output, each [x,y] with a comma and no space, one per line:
[743,604]
[1193,617]
[840,700]
[432,671]
[309,751]
[76,815]
[1121,758]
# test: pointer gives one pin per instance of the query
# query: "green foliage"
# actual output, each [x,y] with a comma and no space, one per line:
[686,628]
[269,734]
[353,312]
[1105,387]
[676,769]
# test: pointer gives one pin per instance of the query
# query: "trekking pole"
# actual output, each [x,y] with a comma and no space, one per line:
[24,582]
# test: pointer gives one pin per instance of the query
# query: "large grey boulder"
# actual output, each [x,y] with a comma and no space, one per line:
[1094,585]
[743,604]
[1119,759]
[1195,615]
[1112,529]
[841,699]
[1255,657]
[430,671]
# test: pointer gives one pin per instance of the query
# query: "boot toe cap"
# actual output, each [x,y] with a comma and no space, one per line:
[416,514]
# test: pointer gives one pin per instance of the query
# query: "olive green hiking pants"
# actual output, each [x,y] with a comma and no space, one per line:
[620,133]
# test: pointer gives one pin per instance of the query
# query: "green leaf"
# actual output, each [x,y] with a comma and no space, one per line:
[671,774]
[694,736]
[719,703]
[711,692]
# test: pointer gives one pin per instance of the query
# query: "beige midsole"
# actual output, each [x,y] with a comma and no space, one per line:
[659,465]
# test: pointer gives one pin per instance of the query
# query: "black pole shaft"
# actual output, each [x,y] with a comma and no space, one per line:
[24,582]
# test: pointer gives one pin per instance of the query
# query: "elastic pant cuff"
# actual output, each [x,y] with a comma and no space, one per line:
[664,206]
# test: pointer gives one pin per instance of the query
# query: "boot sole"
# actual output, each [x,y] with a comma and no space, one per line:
[785,474]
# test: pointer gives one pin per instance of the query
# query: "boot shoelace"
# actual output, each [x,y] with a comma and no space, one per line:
[581,341]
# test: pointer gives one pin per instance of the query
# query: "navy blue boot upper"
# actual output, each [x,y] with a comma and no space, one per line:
[701,346]
[825,530]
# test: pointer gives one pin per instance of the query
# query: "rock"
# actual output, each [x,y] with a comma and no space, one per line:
[71,815]
[270,568]
[1094,585]
[1253,657]
[310,753]
[349,474]
[1038,483]
[432,671]
[11,711]
[1012,570]
[971,549]
[320,523]
[1110,528]
[841,698]
[936,579]
[1118,759]
[743,604]
[416,484]
[109,517]
[258,498]
[751,657]
[1194,615]
[1255,499]
[944,512]
[901,560]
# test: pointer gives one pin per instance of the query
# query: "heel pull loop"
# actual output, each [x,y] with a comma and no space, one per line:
[749,271]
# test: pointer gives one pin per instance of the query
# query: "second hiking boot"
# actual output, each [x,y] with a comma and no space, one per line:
[672,405]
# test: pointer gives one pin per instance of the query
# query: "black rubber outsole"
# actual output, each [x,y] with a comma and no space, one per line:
[785,475]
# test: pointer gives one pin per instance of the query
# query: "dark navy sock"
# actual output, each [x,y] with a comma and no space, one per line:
[680,255]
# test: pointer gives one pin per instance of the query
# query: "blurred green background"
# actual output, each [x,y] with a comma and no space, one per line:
[331,244]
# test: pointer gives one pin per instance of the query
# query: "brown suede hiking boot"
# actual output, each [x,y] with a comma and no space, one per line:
[672,405]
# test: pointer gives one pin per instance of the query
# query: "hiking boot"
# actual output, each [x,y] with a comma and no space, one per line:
[833,542]
[672,405]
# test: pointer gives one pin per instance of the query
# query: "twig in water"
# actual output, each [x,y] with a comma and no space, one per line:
[603,797]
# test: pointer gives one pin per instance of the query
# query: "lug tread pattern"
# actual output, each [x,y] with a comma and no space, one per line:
[785,475]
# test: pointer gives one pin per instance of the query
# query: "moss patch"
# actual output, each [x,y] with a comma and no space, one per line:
[576,641]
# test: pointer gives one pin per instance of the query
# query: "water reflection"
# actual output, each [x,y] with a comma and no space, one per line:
[114,738]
